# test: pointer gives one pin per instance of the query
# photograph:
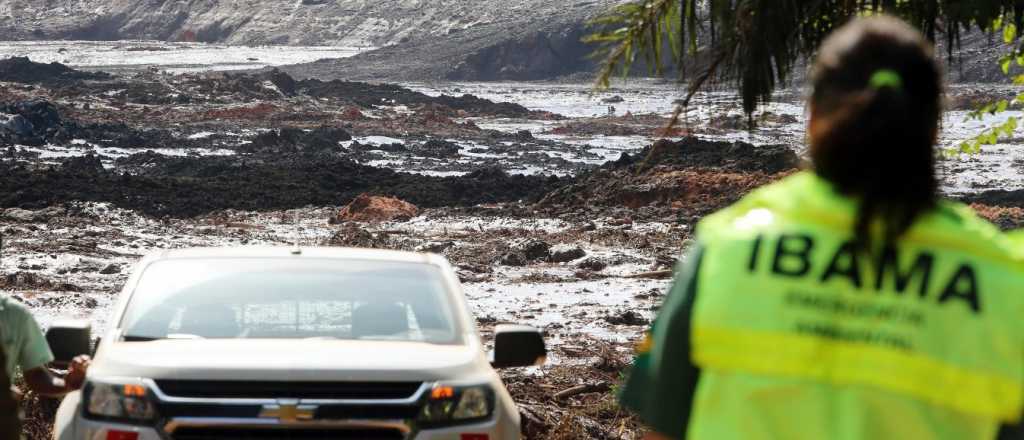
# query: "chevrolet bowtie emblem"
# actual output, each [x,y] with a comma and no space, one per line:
[288,412]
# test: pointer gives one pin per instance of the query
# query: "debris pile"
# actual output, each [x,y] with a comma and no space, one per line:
[673,180]
[376,209]
[23,70]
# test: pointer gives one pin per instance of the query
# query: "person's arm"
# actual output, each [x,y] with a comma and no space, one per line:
[33,356]
[663,380]
[42,381]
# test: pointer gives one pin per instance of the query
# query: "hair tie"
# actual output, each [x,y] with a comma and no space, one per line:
[883,78]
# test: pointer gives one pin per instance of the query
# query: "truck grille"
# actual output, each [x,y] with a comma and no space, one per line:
[286,434]
[291,390]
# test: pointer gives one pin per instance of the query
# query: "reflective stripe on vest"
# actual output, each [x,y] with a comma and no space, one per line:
[938,318]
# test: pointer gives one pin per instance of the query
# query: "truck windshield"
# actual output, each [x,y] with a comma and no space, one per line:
[290,298]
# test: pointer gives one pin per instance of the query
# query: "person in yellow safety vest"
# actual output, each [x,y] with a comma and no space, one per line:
[847,302]
[1017,237]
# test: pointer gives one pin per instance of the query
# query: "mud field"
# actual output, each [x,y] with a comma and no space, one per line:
[559,206]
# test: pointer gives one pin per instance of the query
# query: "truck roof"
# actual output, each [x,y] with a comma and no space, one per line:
[300,252]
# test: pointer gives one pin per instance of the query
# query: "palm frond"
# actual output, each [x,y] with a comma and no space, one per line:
[756,43]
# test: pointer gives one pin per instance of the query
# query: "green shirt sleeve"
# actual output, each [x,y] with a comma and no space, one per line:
[663,379]
[32,350]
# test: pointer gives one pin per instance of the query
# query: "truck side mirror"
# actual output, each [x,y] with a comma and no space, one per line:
[69,339]
[518,346]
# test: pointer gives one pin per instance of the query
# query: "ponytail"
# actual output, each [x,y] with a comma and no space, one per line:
[875,111]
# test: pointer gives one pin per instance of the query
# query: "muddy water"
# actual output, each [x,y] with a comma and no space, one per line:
[172,57]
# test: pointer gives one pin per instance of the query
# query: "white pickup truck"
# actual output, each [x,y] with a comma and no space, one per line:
[277,343]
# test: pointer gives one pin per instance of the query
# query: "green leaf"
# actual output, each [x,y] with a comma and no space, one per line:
[1009,33]
[1004,64]
[1011,126]
[1001,106]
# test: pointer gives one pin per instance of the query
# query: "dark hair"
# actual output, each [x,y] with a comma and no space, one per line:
[875,113]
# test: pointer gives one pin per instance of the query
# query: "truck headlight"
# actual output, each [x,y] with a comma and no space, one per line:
[123,401]
[450,405]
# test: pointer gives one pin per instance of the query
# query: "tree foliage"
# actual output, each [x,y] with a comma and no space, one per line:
[757,43]
[991,134]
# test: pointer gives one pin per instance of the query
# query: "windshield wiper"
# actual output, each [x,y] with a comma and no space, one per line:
[128,338]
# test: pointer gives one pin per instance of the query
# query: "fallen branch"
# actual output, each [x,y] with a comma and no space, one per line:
[658,274]
[599,387]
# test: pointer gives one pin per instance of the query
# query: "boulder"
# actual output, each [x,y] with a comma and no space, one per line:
[375,209]
[16,125]
[593,264]
[19,215]
[27,216]
[525,251]
[628,317]
[111,269]
[565,253]
[439,149]
[533,249]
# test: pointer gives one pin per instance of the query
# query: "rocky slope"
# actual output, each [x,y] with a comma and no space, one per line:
[419,40]
[298,22]
[422,39]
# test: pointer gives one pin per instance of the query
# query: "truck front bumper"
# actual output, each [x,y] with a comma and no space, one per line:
[85,429]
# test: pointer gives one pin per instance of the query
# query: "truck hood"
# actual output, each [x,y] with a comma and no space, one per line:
[289,360]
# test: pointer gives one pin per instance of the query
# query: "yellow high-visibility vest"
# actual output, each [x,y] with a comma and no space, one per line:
[802,334]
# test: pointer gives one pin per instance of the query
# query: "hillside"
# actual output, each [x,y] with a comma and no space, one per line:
[419,40]
[292,22]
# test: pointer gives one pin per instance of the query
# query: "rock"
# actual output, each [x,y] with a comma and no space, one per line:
[534,249]
[513,259]
[613,100]
[375,209]
[526,251]
[15,125]
[628,317]
[593,264]
[435,247]
[26,216]
[284,82]
[325,138]
[564,253]
[293,140]
[19,215]
[29,122]
[32,281]
[111,269]
[23,70]
[438,148]
[620,221]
